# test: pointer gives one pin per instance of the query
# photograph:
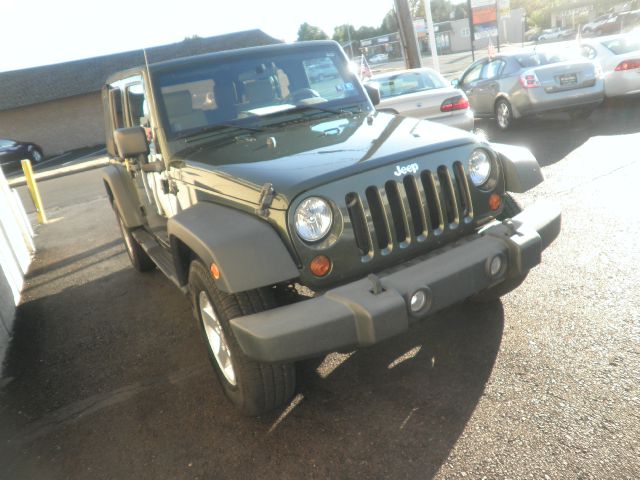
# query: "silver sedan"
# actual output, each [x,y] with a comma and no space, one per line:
[507,87]
[423,93]
[619,57]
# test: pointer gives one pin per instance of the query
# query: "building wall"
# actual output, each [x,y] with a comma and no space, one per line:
[57,126]
[511,30]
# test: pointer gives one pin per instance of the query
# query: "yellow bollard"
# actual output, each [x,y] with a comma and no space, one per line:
[33,190]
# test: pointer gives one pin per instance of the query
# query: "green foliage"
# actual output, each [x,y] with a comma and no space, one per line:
[309,32]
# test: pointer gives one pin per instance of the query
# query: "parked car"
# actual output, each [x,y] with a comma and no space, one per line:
[590,27]
[618,23]
[423,93]
[13,151]
[379,58]
[550,34]
[619,58]
[529,82]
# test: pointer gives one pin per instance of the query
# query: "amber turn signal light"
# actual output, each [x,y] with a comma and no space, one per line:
[215,271]
[495,201]
[320,266]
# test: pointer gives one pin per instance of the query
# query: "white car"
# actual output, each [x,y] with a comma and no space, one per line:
[619,57]
[423,93]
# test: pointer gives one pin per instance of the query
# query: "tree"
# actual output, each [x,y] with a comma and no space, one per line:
[440,9]
[309,32]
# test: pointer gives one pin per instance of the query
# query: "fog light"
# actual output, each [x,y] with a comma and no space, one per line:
[215,271]
[320,266]
[494,201]
[495,267]
[420,300]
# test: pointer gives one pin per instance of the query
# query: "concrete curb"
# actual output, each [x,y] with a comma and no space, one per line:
[60,172]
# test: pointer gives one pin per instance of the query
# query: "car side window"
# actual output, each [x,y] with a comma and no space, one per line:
[588,51]
[473,74]
[492,69]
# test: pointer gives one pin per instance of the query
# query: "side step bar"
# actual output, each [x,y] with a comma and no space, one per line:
[160,255]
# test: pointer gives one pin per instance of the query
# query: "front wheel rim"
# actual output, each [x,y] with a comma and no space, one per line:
[216,338]
[503,115]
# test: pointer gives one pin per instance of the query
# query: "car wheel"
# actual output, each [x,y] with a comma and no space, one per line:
[36,155]
[139,258]
[504,114]
[253,387]
[580,114]
[509,210]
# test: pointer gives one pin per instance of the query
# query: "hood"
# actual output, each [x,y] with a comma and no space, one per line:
[306,155]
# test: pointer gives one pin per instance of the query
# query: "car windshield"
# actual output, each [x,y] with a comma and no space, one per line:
[405,83]
[6,143]
[252,90]
[622,45]
[538,58]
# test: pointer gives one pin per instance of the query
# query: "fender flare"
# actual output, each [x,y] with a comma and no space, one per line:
[521,169]
[121,195]
[247,250]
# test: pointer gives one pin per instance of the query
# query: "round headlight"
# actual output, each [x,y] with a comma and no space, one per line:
[479,167]
[313,219]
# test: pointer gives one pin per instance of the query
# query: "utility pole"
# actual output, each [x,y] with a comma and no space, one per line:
[349,37]
[408,35]
[432,36]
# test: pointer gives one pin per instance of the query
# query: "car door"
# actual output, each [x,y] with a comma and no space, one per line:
[488,86]
[151,179]
[469,83]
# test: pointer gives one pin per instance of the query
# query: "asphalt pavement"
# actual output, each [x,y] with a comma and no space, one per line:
[107,376]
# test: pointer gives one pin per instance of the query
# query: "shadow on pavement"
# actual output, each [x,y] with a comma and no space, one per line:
[552,137]
[110,378]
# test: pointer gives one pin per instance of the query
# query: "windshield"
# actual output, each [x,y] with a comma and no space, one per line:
[248,90]
[405,83]
[538,58]
[622,45]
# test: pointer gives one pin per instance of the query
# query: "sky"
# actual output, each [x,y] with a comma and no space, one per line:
[42,32]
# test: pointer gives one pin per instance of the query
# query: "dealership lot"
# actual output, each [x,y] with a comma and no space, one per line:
[107,376]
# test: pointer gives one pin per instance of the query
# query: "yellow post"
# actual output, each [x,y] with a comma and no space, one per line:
[33,190]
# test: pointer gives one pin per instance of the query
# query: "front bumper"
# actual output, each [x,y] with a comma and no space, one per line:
[372,309]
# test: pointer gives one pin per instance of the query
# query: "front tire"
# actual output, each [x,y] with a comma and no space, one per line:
[253,387]
[504,114]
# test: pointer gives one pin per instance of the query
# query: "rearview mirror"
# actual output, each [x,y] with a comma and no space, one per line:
[373,92]
[131,142]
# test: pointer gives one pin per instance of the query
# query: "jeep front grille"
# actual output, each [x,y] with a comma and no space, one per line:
[414,208]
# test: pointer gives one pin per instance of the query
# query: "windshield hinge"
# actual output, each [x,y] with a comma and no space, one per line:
[267,193]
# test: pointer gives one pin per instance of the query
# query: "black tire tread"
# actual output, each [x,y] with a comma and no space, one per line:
[140,260]
[261,386]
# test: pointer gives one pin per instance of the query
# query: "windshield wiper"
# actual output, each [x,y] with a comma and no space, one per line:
[194,135]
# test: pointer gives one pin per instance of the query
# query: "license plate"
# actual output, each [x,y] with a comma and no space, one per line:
[568,79]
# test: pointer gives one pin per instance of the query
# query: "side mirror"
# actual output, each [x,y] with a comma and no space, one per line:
[131,142]
[455,83]
[373,92]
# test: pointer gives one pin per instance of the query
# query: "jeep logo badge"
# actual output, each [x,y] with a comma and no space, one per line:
[413,168]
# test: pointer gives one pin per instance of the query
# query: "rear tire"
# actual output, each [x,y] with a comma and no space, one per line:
[253,387]
[504,114]
[139,258]
[580,114]
[36,155]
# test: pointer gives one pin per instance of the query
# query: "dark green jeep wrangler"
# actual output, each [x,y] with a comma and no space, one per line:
[298,219]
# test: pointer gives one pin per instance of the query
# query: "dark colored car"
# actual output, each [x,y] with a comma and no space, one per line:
[12,152]
[297,218]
